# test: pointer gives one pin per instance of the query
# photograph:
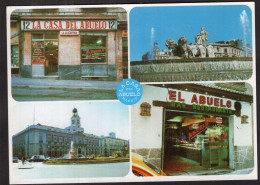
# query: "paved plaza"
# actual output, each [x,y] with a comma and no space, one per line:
[44,171]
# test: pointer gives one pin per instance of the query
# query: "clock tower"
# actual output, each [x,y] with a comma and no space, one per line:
[75,125]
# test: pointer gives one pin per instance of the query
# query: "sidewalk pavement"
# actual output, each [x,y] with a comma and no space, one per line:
[62,84]
[241,172]
[224,171]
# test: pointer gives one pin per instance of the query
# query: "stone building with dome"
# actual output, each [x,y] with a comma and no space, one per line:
[51,141]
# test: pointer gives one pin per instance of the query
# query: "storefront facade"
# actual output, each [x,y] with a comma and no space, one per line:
[72,43]
[14,47]
[209,125]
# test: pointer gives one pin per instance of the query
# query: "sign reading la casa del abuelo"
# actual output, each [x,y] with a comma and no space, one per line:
[68,24]
[180,100]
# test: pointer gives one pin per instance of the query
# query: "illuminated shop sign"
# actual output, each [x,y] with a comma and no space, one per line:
[200,102]
[69,24]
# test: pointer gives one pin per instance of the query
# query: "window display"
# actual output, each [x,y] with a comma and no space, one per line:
[93,48]
[200,138]
[14,55]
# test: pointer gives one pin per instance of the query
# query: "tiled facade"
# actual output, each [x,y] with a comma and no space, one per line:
[244,157]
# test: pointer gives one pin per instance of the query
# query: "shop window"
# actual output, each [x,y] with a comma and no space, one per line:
[93,48]
[145,109]
[14,56]
[51,36]
[37,36]
[37,52]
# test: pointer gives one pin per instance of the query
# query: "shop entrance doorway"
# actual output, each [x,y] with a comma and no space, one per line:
[44,54]
[51,57]
[194,143]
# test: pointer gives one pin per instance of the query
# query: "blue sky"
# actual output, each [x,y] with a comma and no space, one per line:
[221,22]
[98,118]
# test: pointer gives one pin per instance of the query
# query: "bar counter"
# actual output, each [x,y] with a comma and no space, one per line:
[188,151]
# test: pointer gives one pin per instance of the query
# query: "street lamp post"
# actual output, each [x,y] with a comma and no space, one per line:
[28,146]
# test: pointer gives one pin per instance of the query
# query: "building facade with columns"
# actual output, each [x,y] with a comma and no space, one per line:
[109,145]
[70,43]
[55,142]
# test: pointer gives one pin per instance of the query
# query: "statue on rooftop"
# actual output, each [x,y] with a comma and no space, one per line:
[201,37]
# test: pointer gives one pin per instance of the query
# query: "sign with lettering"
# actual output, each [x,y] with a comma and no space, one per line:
[200,102]
[69,25]
[195,131]
[69,32]
[189,101]
[219,120]
[93,52]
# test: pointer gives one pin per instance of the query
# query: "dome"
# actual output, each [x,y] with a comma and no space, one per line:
[74,110]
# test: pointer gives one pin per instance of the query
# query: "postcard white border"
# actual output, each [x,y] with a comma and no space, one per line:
[130,177]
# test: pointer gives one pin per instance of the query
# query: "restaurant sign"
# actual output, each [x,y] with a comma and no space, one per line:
[69,25]
[199,103]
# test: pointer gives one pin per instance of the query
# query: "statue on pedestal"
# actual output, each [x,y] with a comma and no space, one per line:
[201,37]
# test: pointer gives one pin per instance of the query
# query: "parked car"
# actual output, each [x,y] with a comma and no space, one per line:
[37,158]
[15,160]
[49,158]
[142,167]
